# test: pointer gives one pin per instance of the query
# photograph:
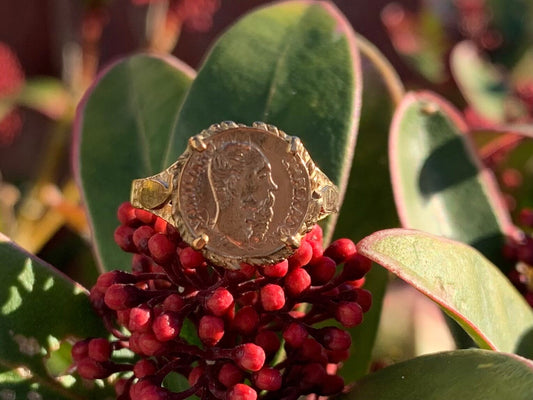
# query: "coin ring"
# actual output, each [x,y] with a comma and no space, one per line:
[240,194]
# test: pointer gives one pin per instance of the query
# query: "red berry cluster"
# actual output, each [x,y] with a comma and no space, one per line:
[521,253]
[240,319]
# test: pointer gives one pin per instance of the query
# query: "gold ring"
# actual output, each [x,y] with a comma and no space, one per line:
[240,194]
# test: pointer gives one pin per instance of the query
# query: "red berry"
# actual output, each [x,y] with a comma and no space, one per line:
[246,320]
[297,281]
[174,302]
[364,298]
[146,390]
[229,375]
[190,258]
[92,369]
[335,338]
[315,235]
[241,392]
[358,283]
[161,248]
[301,256]
[122,386]
[99,349]
[144,367]
[247,270]
[295,334]
[149,344]
[349,314]
[249,356]
[139,319]
[210,329]
[269,341]
[120,297]
[141,263]
[97,298]
[337,356]
[331,385]
[340,250]
[311,376]
[220,302]
[160,225]
[166,326]
[272,297]
[356,267]
[134,342]
[126,213]
[268,379]
[278,270]
[322,270]
[124,238]
[109,278]
[146,217]
[141,236]
[80,350]
[311,350]
[248,299]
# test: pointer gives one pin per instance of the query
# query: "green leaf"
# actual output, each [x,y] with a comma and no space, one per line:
[369,191]
[39,309]
[463,282]
[439,183]
[292,64]
[463,374]
[482,85]
[123,131]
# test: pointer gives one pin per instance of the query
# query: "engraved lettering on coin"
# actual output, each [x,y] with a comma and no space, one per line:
[244,191]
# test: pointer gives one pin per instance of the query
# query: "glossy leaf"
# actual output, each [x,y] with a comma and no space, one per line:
[482,85]
[123,131]
[463,374]
[369,191]
[39,308]
[368,194]
[463,282]
[292,64]
[439,183]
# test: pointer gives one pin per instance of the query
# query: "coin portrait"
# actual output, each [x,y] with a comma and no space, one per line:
[245,191]
[240,177]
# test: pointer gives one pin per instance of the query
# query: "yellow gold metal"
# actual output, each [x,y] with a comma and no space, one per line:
[240,194]
[197,143]
[200,242]
[294,241]
[294,144]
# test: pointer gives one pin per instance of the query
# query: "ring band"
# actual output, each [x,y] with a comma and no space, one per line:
[240,194]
